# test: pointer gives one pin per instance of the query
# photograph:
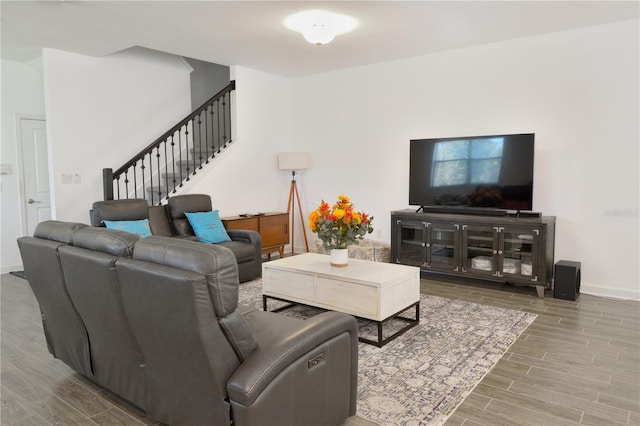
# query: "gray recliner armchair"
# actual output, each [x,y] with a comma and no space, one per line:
[169,220]
[245,245]
[64,330]
[115,354]
[207,363]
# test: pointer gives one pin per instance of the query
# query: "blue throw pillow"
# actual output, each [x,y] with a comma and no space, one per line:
[208,227]
[140,227]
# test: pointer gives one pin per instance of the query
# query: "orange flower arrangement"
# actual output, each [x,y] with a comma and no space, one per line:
[340,225]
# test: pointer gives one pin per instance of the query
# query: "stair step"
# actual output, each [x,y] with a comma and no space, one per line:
[207,150]
[187,167]
[201,154]
[184,164]
[171,176]
[167,178]
[197,151]
[154,191]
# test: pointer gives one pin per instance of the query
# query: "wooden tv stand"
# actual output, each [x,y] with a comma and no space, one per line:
[517,250]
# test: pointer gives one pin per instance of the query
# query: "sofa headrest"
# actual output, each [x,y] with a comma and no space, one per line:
[191,203]
[217,264]
[56,230]
[159,221]
[127,209]
[110,241]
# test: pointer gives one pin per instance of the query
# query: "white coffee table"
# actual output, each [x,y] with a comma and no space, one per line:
[372,290]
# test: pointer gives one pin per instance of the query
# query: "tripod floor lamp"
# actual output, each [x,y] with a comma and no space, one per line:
[294,161]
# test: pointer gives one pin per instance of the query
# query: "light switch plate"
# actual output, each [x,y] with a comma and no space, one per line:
[66,178]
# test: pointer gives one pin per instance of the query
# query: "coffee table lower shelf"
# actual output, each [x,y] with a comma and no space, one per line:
[411,322]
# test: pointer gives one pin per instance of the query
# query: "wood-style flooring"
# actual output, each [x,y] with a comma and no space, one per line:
[578,363]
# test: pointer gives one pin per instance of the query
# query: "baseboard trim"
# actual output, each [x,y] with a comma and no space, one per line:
[608,292]
[11,268]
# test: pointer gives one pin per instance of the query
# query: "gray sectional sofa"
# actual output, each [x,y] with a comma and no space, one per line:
[170,221]
[157,322]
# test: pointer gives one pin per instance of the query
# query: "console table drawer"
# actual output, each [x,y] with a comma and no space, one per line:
[245,223]
[352,298]
[273,228]
[291,284]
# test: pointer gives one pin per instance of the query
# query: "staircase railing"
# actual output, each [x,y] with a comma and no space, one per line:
[165,165]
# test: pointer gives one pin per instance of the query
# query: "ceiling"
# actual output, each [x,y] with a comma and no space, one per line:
[251,34]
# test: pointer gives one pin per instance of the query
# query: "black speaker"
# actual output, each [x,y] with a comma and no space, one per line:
[566,283]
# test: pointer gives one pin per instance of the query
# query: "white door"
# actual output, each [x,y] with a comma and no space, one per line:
[35,166]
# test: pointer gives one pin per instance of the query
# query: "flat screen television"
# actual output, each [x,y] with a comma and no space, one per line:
[475,173]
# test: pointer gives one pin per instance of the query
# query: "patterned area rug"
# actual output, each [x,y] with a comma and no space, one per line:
[423,375]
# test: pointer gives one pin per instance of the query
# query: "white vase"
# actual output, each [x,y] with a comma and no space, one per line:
[339,257]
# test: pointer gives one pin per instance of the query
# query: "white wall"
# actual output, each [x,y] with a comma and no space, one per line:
[245,178]
[102,111]
[22,94]
[576,90]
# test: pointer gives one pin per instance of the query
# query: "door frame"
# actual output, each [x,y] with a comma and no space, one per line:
[21,175]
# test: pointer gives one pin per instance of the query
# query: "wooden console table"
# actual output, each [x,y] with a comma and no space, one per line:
[273,228]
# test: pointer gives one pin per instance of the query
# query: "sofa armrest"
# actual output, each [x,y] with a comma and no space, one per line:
[303,372]
[265,365]
[247,236]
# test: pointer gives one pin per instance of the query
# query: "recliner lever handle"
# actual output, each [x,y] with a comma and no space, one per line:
[315,360]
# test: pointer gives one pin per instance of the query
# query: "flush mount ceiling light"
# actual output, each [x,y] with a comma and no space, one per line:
[320,26]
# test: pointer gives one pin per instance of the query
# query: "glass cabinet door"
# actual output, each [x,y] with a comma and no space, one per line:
[519,248]
[480,249]
[411,243]
[442,243]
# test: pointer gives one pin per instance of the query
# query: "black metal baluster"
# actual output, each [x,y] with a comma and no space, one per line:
[158,173]
[193,145]
[186,152]
[126,184]
[154,175]
[173,159]
[144,182]
[200,160]
[148,192]
[224,121]
[218,126]
[180,154]
[135,182]
[214,147]
[229,118]
[206,135]
[166,169]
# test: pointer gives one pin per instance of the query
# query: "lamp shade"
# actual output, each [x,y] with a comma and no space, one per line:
[294,161]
